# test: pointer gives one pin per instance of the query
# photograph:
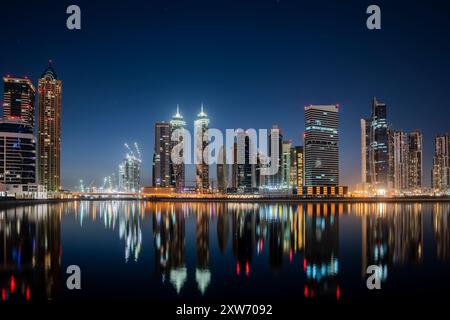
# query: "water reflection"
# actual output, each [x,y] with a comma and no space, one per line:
[301,243]
[391,235]
[30,260]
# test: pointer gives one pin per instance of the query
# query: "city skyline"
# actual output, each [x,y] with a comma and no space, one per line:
[242,83]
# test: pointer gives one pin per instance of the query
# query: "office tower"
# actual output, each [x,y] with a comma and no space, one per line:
[130,174]
[222,171]
[374,147]
[286,162]
[49,130]
[177,169]
[276,152]
[201,149]
[391,162]
[415,160]
[244,167]
[321,145]
[17,152]
[256,170]
[161,156]
[297,166]
[234,181]
[401,160]
[18,99]
[441,163]
[364,149]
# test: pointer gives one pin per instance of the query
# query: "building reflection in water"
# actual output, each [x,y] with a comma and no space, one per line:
[30,259]
[441,230]
[243,226]
[125,217]
[277,234]
[321,259]
[169,243]
[202,272]
[391,235]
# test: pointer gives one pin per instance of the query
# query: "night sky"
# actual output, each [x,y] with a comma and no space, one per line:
[252,63]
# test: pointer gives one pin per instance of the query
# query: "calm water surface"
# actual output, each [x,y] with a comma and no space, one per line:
[220,251]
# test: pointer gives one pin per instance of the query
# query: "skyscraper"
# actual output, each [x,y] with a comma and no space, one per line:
[130,174]
[177,169]
[401,160]
[161,156]
[276,152]
[201,143]
[49,130]
[441,163]
[297,166]
[18,99]
[415,160]
[222,171]
[286,162]
[374,147]
[17,152]
[244,168]
[321,145]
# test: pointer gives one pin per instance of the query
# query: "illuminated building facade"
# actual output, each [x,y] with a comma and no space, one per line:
[276,152]
[17,153]
[415,161]
[243,165]
[201,148]
[441,163]
[222,171]
[177,169]
[296,171]
[130,174]
[18,99]
[375,147]
[49,130]
[321,145]
[286,164]
[401,160]
[161,157]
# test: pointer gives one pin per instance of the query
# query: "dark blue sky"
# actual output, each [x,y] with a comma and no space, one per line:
[252,63]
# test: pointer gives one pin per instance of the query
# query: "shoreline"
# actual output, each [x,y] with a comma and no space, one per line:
[7,203]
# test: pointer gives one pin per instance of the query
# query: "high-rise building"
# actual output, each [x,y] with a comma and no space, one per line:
[415,161]
[201,143]
[364,150]
[222,170]
[244,167]
[286,164]
[321,145]
[17,152]
[276,152]
[401,160]
[161,157]
[49,130]
[18,99]
[441,163]
[177,169]
[297,166]
[256,170]
[374,147]
[391,158]
[130,174]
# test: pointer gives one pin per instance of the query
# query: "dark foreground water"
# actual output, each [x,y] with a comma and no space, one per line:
[222,251]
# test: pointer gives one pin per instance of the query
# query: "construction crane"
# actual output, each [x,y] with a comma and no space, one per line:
[134,154]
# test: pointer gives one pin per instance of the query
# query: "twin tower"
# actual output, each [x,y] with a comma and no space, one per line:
[165,172]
